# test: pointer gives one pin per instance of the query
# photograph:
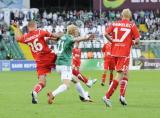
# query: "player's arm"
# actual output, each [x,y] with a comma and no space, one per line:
[136,35]
[108,37]
[19,36]
[84,38]
[56,36]
[108,31]
[76,44]
[52,36]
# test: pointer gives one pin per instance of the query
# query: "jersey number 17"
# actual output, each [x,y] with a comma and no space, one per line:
[116,33]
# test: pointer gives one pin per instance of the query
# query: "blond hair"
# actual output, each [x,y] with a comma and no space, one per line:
[71,29]
[126,13]
[32,23]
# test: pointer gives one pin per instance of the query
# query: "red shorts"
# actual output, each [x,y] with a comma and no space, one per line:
[76,63]
[45,66]
[109,64]
[121,64]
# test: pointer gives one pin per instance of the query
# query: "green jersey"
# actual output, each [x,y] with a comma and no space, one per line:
[64,50]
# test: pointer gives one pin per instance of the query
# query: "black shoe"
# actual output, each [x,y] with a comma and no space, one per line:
[123,101]
[82,98]
[34,100]
[102,84]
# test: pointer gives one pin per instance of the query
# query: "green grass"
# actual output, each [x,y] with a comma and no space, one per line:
[143,96]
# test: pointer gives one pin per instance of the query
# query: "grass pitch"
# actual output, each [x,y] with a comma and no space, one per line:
[143,96]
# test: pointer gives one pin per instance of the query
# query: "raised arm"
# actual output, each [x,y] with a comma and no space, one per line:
[56,36]
[84,38]
[18,35]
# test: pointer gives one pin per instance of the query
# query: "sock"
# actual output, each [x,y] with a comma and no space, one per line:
[80,89]
[79,76]
[111,78]
[38,87]
[123,86]
[60,89]
[103,78]
[111,89]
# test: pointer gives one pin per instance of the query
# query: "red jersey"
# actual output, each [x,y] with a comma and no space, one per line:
[38,45]
[76,56]
[122,32]
[106,49]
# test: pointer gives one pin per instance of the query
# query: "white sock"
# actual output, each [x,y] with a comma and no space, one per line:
[60,89]
[80,89]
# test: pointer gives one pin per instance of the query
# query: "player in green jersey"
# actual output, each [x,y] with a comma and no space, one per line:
[64,56]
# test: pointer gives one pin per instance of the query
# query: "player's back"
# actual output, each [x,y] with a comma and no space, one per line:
[122,32]
[38,45]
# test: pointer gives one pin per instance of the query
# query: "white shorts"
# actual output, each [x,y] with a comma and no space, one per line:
[65,72]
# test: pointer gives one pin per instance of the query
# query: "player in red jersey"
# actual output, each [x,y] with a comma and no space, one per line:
[124,34]
[108,63]
[76,62]
[42,54]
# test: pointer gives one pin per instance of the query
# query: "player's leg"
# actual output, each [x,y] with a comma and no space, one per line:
[119,62]
[123,86]
[122,64]
[38,87]
[111,77]
[112,88]
[104,77]
[88,82]
[76,72]
[106,67]
[111,68]
[114,84]
[82,93]
[66,76]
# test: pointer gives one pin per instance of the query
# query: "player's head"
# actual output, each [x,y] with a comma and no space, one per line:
[126,14]
[73,30]
[32,25]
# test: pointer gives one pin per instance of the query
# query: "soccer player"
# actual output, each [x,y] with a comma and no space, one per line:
[108,63]
[64,56]
[43,55]
[124,34]
[76,62]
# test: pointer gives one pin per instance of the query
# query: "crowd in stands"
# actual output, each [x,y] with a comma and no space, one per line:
[88,22]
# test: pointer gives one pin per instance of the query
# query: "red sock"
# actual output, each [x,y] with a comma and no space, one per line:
[38,87]
[111,78]
[103,78]
[111,89]
[79,76]
[123,86]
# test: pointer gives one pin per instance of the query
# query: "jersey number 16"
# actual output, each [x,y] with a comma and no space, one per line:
[35,46]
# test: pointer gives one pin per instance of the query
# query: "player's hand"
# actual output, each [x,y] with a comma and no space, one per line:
[57,35]
[60,34]
[135,43]
[90,36]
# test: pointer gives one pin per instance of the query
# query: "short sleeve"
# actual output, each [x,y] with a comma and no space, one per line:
[109,29]
[135,31]
[45,33]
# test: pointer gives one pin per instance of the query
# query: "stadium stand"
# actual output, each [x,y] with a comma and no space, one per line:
[88,21]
